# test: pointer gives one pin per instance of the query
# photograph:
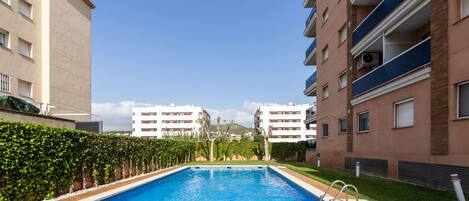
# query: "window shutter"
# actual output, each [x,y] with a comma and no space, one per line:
[24,8]
[404,114]
[464,8]
[24,48]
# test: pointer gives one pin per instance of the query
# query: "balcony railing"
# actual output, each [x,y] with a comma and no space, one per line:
[311,48]
[310,17]
[373,19]
[311,80]
[408,61]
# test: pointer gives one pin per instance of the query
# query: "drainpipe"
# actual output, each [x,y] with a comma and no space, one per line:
[319,160]
[357,169]
[457,187]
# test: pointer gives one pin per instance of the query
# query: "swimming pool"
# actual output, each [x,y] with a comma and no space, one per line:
[220,184]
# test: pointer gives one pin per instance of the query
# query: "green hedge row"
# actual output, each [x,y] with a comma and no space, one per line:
[228,150]
[284,150]
[38,162]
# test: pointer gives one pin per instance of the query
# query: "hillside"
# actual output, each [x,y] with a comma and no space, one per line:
[235,128]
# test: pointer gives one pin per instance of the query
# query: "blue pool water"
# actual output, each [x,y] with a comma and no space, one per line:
[219,184]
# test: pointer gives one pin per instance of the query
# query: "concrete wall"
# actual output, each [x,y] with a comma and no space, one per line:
[34,118]
[70,57]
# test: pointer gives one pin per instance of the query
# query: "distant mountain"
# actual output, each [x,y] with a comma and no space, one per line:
[234,129]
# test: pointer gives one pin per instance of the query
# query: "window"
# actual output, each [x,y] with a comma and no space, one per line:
[25,48]
[25,9]
[148,114]
[149,122]
[149,129]
[463,100]
[4,38]
[24,88]
[342,34]
[325,92]
[363,121]
[464,8]
[343,80]
[404,113]
[325,15]
[342,125]
[5,85]
[325,53]
[325,130]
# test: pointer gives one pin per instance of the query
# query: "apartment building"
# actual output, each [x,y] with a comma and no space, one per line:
[167,121]
[285,121]
[45,55]
[392,87]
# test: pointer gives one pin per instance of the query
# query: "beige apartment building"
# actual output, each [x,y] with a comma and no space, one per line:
[45,55]
[392,87]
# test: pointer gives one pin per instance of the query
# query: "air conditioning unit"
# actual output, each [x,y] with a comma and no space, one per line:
[368,59]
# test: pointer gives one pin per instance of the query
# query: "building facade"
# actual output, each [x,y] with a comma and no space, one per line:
[45,55]
[393,88]
[167,121]
[285,121]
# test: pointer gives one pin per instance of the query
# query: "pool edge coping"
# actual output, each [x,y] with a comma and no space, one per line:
[302,184]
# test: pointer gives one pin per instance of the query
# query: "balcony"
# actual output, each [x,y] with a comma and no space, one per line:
[311,54]
[309,3]
[310,116]
[412,59]
[310,30]
[310,88]
[373,19]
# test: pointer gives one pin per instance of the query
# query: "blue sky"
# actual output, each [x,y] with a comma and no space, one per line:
[227,56]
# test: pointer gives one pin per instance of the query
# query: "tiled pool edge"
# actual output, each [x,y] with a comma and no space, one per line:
[302,184]
[133,185]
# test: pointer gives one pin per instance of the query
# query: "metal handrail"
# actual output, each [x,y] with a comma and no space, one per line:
[321,198]
[346,194]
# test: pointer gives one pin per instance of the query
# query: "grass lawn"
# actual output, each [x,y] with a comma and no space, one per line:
[370,188]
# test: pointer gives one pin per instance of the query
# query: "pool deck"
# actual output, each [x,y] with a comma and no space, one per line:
[139,180]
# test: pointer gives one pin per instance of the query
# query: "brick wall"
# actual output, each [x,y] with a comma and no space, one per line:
[439,78]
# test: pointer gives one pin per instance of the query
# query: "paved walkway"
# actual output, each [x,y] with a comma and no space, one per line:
[306,179]
[318,185]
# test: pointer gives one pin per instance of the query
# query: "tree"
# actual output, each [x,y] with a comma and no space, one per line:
[265,134]
[211,137]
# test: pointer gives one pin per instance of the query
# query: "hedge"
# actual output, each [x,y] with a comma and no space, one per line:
[284,150]
[39,162]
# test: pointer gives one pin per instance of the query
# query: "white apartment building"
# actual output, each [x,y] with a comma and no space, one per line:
[287,122]
[163,121]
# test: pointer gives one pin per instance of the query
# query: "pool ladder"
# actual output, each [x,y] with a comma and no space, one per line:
[343,189]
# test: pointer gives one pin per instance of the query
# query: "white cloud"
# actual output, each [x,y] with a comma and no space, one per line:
[118,116]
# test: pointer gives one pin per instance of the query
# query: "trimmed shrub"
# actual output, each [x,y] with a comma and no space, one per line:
[39,162]
[284,150]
